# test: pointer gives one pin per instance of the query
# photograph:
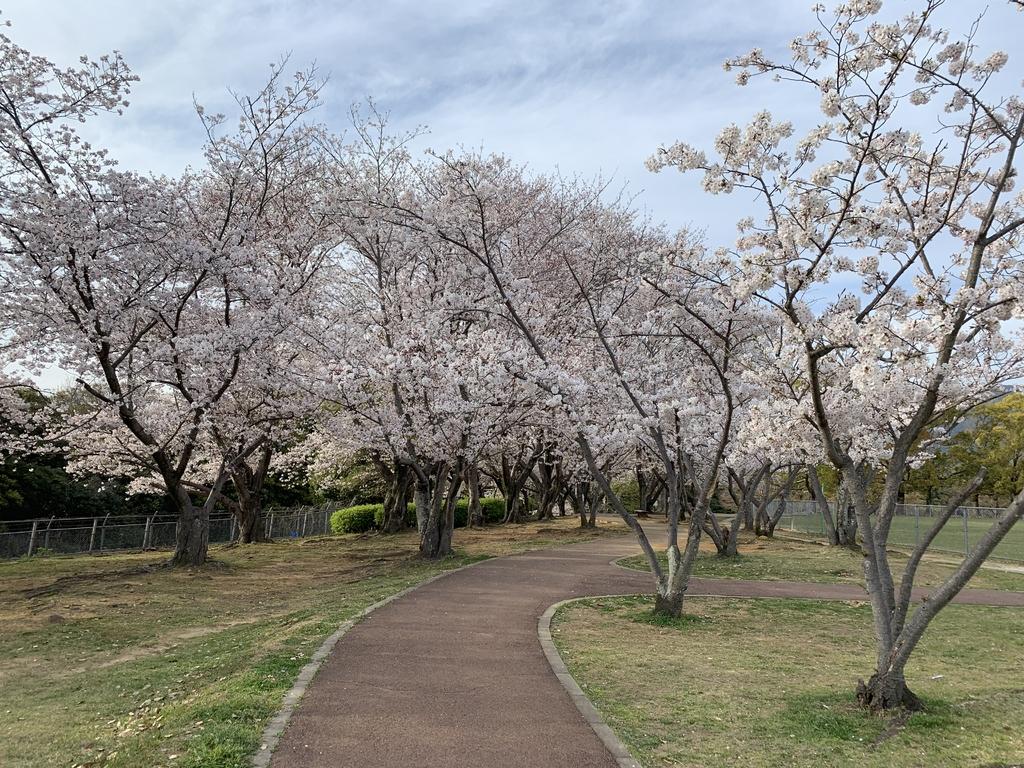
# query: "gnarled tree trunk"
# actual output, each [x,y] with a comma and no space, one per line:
[248,482]
[579,493]
[192,533]
[546,478]
[475,513]
[436,537]
[842,530]
[766,521]
[511,478]
[719,536]
[887,690]
[395,505]
[421,501]
[192,536]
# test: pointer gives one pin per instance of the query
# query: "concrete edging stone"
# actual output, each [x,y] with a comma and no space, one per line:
[586,708]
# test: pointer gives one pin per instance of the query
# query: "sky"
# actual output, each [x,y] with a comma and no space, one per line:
[585,86]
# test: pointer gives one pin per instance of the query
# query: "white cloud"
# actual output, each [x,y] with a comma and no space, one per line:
[589,87]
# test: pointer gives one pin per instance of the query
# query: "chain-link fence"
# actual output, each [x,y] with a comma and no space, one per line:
[912,522]
[71,535]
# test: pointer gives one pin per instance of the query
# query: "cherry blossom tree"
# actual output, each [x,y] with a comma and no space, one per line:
[417,373]
[236,446]
[423,390]
[152,290]
[603,309]
[888,248]
[511,463]
[753,488]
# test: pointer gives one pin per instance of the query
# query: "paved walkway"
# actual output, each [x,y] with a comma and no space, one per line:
[453,675]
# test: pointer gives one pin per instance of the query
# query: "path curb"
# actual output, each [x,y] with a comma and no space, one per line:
[275,727]
[586,708]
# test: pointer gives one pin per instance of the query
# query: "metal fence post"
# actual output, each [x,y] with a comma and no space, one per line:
[917,526]
[103,531]
[92,533]
[32,538]
[967,542]
[145,532]
[46,536]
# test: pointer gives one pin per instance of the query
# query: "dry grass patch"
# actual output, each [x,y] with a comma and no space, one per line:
[118,661]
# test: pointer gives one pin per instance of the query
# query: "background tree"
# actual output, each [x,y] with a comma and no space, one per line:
[993,438]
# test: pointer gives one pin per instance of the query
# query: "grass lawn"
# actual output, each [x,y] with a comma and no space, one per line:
[117,661]
[768,683]
[793,560]
[906,531]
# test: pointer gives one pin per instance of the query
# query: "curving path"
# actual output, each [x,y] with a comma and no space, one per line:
[453,674]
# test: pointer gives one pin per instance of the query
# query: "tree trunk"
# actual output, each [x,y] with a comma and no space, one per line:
[642,493]
[897,630]
[669,605]
[719,536]
[887,691]
[248,511]
[846,527]
[248,483]
[814,486]
[430,541]
[248,517]
[394,498]
[436,539]
[668,600]
[548,487]
[771,520]
[581,501]
[730,535]
[421,500]
[512,513]
[192,535]
[511,479]
[475,513]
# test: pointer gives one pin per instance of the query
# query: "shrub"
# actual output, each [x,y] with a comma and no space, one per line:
[355,519]
[461,513]
[628,492]
[365,517]
[494,509]
[716,507]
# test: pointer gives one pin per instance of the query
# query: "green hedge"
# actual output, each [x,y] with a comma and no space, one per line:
[354,519]
[366,517]
[493,508]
